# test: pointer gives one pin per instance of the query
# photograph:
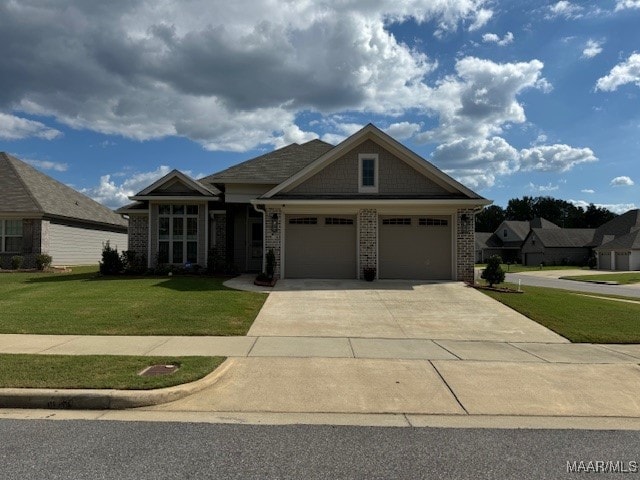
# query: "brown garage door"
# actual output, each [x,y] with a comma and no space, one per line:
[320,246]
[415,247]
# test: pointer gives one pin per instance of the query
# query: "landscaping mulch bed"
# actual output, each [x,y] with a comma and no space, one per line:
[496,289]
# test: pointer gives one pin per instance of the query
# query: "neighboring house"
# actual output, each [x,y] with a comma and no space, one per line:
[557,246]
[508,239]
[41,215]
[325,211]
[617,242]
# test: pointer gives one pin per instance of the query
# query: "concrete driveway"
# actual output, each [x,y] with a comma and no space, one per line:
[392,309]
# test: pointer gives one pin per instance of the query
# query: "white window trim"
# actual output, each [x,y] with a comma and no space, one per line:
[363,188]
[183,216]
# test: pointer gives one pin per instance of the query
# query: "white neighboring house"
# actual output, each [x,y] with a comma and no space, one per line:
[41,215]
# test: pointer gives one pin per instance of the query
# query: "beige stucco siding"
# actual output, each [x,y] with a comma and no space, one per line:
[74,245]
[395,177]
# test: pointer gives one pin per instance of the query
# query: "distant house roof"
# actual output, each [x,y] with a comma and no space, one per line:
[26,190]
[630,241]
[563,237]
[540,222]
[620,225]
[520,228]
[273,167]
[481,239]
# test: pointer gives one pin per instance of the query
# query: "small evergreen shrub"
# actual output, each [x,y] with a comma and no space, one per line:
[16,262]
[43,261]
[493,273]
[133,263]
[111,263]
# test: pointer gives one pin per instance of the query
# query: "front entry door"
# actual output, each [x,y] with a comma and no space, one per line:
[254,245]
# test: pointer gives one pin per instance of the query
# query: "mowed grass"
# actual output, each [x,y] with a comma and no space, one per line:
[98,371]
[575,316]
[83,303]
[621,278]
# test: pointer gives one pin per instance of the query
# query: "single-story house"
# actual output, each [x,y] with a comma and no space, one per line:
[617,242]
[557,246]
[508,239]
[41,215]
[325,211]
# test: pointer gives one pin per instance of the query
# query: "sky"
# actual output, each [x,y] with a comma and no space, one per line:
[512,98]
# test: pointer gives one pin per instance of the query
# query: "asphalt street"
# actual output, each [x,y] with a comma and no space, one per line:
[36,449]
[595,288]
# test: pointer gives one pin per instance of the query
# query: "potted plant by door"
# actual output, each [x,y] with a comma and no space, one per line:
[369,274]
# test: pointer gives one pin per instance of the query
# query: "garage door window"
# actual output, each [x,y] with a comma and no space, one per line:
[303,221]
[338,221]
[396,221]
[433,222]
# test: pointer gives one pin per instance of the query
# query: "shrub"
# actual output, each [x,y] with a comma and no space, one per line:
[592,262]
[369,274]
[493,273]
[43,261]
[271,263]
[111,263]
[132,263]
[16,262]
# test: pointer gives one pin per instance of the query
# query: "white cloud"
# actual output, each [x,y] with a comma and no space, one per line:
[403,130]
[543,188]
[230,75]
[621,181]
[17,128]
[588,190]
[618,208]
[592,48]
[493,38]
[623,73]
[564,9]
[554,158]
[114,195]
[625,4]
[47,165]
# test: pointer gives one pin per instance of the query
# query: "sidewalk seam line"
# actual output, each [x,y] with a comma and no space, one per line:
[59,344]
[447,350]
[146,353]
[449,387]
[252,345]
[530,353]
[351,347]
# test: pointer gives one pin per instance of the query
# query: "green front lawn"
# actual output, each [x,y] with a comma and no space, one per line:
[98,371]
[82,303]
[575,316]
[621,278]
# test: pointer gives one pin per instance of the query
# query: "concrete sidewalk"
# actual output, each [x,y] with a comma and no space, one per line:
[321,347]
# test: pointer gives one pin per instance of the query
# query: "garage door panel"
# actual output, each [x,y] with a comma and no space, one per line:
[321,246]
[417,247]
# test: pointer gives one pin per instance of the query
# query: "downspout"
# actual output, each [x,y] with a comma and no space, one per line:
[264,234]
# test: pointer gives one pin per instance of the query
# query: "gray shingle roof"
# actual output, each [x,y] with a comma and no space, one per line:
[620,225]
[540,222]
[273,167]
[564,237]
[519,228]
[630,241]
[26,190]
[481,239]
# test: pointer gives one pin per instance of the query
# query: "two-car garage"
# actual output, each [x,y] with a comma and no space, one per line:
[409,246]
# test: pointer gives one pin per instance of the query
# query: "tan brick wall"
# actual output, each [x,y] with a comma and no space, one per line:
[368,235]
[465,245]
[273,239]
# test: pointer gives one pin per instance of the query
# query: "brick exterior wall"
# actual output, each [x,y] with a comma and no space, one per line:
[465,245]
[273,240]
[368,234]
[139,234]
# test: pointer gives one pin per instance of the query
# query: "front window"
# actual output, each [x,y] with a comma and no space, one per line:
[368,170]
[11,236]
[178,234]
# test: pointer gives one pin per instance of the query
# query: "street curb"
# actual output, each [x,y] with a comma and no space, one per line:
[103,399]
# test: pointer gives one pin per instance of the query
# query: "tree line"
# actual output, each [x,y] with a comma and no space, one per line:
[560,212]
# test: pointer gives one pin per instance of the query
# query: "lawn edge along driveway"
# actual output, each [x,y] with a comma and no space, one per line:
[84,303]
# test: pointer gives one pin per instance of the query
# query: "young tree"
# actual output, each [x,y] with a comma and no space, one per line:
[493,273]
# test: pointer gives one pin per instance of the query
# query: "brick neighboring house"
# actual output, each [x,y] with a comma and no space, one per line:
[617,242]
[557,246]
[325,211]
[41,215]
